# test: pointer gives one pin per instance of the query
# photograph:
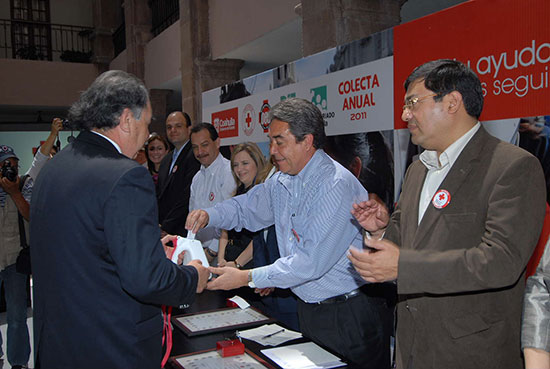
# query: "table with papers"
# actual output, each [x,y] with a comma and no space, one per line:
[270,345]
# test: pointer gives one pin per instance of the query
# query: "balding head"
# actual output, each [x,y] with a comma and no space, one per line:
[177,128]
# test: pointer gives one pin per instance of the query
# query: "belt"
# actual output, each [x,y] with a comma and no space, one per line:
[340,298]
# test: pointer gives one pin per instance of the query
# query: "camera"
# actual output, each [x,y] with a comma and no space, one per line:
[67,124]
[8,171]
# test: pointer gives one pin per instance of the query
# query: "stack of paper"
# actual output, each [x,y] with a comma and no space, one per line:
[303,356]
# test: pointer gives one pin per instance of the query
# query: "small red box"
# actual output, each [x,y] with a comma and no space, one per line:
[230,348]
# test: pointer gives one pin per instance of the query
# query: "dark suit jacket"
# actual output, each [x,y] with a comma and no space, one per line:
[99,269]
[174,190]
[461,270]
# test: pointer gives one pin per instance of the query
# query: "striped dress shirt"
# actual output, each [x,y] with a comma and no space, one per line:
[314,226]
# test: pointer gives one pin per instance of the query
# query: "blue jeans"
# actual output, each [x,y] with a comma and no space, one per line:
[15,287]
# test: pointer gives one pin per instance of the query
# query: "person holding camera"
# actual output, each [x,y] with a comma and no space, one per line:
[14,200]
[47,149]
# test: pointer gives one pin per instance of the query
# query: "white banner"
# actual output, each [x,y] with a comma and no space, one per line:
[356,99]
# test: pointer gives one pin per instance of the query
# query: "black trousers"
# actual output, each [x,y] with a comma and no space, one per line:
[358,329]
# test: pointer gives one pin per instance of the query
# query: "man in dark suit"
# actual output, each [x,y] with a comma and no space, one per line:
[175,175]
[467,221]
[100,271]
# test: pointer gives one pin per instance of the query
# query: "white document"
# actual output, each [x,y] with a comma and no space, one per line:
[240,302]
[270,335]
[212,360]
[303,356]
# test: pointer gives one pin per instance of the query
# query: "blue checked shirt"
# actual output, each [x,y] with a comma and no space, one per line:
[312,216]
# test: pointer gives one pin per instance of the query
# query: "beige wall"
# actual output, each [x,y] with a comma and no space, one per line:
[163,57]
[237,22]
[119,63]
[28,82]
[74,12]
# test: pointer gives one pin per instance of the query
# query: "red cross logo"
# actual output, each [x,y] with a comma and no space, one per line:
[441,199]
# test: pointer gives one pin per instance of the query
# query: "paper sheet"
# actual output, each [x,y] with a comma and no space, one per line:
[270,334]
[303,356]
[240,302]
[212,360]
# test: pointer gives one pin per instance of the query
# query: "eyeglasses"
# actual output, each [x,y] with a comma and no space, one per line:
[411,103]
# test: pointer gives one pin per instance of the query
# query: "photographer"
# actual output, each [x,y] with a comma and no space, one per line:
[47,150]
[14,199]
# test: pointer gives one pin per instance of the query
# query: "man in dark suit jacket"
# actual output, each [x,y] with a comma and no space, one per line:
[467,221]
[175,175]
[100,271]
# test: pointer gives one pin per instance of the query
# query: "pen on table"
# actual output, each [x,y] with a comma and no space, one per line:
[272,334]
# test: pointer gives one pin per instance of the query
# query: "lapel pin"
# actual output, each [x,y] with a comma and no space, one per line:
[441,199]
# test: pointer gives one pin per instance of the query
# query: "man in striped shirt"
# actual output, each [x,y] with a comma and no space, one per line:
[309,201]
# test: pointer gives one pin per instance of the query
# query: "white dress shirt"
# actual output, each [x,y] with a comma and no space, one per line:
[438,168]
[211,185]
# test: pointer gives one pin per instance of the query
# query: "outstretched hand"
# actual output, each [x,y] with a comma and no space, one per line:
[373,215]
[228,278]
[196,220]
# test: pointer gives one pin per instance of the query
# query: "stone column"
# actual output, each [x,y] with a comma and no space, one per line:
[159,102]
[138,32]
[105,22]
[198,71]
[328,23]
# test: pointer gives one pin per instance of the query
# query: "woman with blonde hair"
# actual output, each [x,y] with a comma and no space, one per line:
[247,165]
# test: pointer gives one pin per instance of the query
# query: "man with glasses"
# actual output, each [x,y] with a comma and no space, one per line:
[467,221]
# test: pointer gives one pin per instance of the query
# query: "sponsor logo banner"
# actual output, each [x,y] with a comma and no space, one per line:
[356,99]
[226,122]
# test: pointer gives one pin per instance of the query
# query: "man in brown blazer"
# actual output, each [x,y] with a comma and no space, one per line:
[467,221]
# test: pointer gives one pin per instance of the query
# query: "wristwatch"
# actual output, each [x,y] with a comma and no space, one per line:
[250,281]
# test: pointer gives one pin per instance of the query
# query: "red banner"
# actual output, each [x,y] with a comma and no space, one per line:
[506,42]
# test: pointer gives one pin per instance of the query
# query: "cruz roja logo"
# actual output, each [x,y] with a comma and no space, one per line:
[247,116]
[319,99]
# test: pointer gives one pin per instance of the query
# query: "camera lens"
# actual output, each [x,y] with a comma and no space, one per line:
[8,171]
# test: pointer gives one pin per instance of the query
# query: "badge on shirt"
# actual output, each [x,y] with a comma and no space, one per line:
[211,196]
[441,199]
[174,169]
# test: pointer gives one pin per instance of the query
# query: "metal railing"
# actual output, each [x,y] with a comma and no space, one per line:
[45,41]
[119,39]
[164,13]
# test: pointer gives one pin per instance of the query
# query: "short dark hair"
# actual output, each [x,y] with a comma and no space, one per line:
[200,126]
[444,76]
[303,118]
[101,105]
[187,118]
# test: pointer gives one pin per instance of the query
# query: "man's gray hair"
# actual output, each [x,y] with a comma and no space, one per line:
[101,105]
[302,117]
